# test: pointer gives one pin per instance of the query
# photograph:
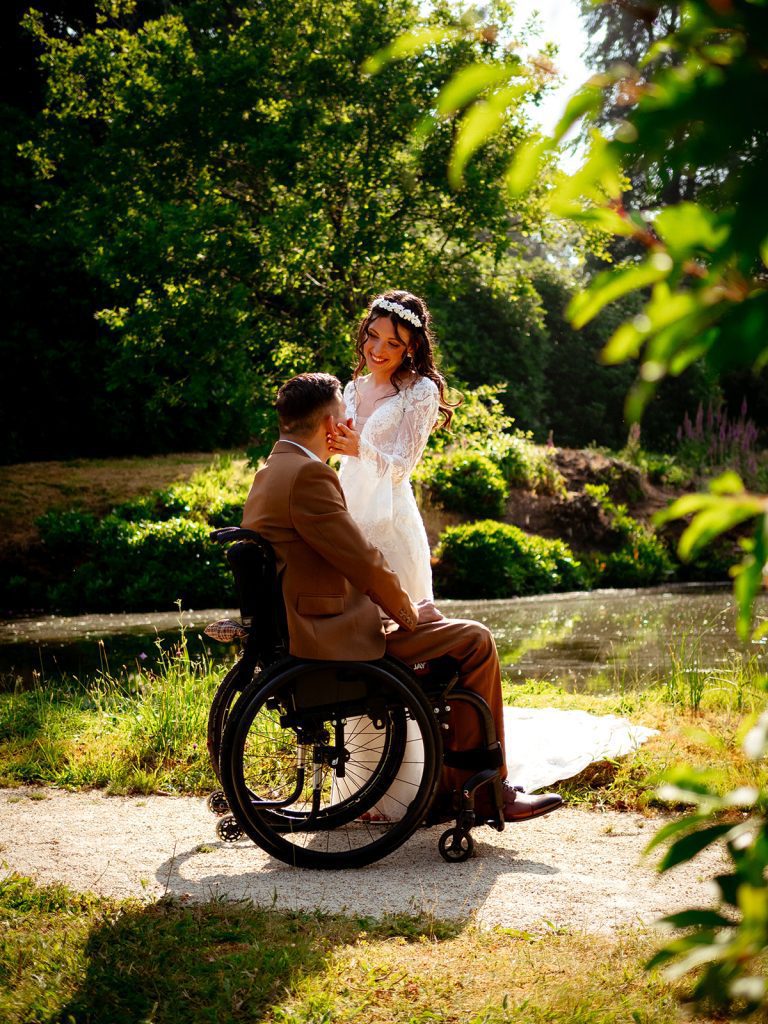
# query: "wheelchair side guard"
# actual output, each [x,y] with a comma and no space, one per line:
[437,677]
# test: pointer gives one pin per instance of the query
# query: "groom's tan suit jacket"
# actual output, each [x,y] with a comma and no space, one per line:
[332,578]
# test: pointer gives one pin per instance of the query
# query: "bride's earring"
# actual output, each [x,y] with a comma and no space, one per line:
[407,362]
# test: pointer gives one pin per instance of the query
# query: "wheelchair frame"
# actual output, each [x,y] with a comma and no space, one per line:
[267,681]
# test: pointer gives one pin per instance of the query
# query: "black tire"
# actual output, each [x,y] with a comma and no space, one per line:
[228,691]
[242,674]
[300,713]
[456,845]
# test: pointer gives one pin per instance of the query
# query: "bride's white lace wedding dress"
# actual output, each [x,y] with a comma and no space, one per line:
[377,483]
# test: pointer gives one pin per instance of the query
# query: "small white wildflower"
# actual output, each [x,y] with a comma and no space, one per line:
[756,740]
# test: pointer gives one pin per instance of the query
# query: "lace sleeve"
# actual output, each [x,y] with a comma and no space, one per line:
[400,451]
[350,400]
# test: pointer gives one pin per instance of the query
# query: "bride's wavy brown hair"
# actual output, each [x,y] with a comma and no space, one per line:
[421,339]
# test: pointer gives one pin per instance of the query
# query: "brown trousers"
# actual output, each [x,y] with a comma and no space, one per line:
[473,647]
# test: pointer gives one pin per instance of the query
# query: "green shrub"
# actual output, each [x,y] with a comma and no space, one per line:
[480,416]
[544,476]
[68,530]
[465,482]
[641,558]
[659,467]
[481,425]
[489,559]
[148,565]
[210,496]
[149,552]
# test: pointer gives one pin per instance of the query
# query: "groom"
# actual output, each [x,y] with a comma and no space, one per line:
[334,581]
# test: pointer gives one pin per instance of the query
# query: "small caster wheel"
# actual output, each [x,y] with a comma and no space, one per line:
[217,804]
[455,845]
[228,829]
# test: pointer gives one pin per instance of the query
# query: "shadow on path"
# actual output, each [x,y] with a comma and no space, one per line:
[413,879]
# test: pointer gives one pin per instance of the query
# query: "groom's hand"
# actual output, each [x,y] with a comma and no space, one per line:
[428,612]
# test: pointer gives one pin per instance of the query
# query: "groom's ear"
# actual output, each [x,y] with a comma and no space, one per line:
[329,423]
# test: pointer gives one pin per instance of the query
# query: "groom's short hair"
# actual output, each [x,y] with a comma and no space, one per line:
[303,401]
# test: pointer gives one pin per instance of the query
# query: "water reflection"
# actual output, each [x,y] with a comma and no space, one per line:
[611,640]
[598,641]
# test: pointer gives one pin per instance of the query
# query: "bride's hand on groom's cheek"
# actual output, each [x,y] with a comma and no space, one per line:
[345,440]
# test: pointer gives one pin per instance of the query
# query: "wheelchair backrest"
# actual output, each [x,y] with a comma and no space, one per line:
[259,593]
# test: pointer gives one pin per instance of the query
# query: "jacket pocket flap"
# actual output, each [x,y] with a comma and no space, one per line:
[319,604]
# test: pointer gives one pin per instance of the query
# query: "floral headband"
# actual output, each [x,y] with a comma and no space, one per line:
[395,307]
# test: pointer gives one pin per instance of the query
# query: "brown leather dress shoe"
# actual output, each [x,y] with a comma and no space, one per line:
[522,806]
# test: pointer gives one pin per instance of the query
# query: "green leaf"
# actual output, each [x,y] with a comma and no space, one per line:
[587,100]
[754,905]
[526,163]
[689,846]
[749,578]
[469,82]
[727,483]
[406,46]
[703,954]
[682,507]
[664,309]
[697,919]
[640,394]
[612,284]
[688,227]
[481,121]
[598,179]
[692,350]
[729,888]
[713,522]
[606,219]
[672,828]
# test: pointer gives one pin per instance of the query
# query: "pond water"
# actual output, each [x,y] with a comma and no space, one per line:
[600,641]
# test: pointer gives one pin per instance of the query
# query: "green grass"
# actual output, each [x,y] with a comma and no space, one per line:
[71,957]
[701,718]
[143,732]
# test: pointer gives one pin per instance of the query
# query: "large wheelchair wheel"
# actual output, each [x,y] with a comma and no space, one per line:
[241,675]
[229,689]
[311,748]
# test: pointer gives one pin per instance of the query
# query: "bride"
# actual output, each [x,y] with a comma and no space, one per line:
[391,411]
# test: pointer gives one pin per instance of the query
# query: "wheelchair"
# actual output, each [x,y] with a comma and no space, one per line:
[334,764]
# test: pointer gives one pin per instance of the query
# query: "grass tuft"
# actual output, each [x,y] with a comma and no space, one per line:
[142,732]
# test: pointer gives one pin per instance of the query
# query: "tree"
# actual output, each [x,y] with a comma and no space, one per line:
[627,37]
[240,185]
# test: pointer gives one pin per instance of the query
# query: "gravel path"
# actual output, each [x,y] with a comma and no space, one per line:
[575,868]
